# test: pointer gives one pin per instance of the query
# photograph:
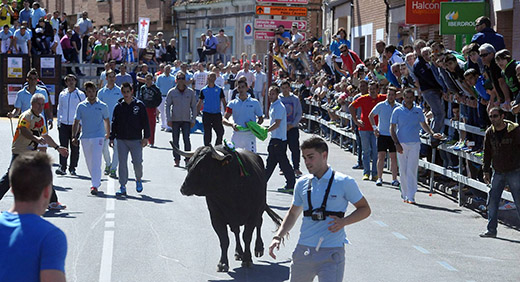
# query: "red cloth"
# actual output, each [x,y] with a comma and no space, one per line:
[349,63]
[152,120]
[367,104]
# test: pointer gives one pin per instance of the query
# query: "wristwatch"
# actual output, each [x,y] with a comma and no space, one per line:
[57,147]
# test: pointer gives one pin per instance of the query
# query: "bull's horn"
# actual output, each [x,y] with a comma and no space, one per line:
[216,154]
[182,153]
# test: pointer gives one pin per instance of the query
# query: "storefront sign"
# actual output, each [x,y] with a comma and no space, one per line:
[273,24]
[284,1]
[459,17]
[281,11]
[269,35]
[423,11]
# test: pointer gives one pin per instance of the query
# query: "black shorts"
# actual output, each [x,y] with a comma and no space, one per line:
[385,143]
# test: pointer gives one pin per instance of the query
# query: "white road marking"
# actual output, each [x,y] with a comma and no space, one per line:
[399,235]
[110,224]
[422,250]
[447,266]
[105,271]
[380,223]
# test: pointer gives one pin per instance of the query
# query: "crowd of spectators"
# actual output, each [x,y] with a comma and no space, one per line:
[459,86]
[34,30]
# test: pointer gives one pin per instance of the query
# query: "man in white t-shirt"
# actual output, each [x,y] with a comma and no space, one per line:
[249,75]
[200,78]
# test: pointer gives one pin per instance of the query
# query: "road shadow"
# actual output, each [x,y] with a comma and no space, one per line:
[424,206]
[279,208]
[507,240]
[60,188]
[56,214]
[272,272]
[78,176]
[143,198]
[162,148]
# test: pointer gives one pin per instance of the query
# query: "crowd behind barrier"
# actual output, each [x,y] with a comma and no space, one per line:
[343,130]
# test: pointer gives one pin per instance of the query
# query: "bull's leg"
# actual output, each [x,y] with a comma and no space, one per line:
[238,248]
[221,230]
[259,244]
[247,260]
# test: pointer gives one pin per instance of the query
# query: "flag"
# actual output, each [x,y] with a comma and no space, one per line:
[144,26]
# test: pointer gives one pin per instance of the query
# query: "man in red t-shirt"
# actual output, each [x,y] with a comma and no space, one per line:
[368,139]
[350,61]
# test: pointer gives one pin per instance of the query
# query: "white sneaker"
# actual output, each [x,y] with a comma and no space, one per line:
[507,206]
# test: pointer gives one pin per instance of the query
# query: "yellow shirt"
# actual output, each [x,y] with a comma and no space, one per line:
[5,16]
[36,124]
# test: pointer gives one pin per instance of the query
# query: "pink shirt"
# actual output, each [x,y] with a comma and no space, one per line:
[65,43]
[116,53]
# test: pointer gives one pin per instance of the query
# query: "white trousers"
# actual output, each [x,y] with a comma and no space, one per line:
[113,161]
[92,150]
[245,140]
[22,49]
[6,43]
[408,164]
[164,122]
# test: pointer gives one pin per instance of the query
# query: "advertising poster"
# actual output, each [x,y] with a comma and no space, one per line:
[47,67]
[52,92]
[14,67]
[12,89]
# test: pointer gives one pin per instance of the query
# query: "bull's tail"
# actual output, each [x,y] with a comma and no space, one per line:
[274,216]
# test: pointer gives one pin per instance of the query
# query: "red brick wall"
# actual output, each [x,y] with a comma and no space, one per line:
[370,11]
[158,11]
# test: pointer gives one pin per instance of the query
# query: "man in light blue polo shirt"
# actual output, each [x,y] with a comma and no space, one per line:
[320,250]
[384,111]
[165,82]
[36,14]
[95,129]
[243,109]
[405,124]
[110,95]
[278,144]
[22,41]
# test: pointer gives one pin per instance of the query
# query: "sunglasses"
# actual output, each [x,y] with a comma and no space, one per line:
[494,116]
[484,55]
[181,77]
[343,51]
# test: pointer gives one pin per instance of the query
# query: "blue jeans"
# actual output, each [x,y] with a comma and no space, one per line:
[369,145]
[177,126]
[434,98]
[498,182]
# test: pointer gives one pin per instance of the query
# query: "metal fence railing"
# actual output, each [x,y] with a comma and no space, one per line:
[456,176]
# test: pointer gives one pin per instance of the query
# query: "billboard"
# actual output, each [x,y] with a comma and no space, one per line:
[423,11]
[459,17]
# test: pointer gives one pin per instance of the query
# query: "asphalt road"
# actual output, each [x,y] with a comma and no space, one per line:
[160,235]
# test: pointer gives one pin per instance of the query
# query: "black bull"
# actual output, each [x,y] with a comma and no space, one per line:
[235,195]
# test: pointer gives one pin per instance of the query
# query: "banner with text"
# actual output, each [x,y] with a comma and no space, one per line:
[459,17]
[144,27]
[423,11]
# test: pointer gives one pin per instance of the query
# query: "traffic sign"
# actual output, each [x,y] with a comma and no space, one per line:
[248,33]
[269,35]
[281,11]
[284,1]
[272,24]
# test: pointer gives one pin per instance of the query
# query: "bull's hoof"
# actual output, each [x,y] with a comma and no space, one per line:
[222,267]
[238,257]
[259,253]
[247,264]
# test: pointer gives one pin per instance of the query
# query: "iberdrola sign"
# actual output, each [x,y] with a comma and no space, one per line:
[459,17]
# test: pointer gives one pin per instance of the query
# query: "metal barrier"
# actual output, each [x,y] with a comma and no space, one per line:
[90,70]
[431,166]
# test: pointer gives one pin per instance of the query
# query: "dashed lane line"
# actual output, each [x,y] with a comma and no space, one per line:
[105,270]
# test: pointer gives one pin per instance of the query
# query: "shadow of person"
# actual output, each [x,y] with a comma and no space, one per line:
[268,271]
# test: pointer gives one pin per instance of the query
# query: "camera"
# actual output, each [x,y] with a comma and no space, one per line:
[318,214]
